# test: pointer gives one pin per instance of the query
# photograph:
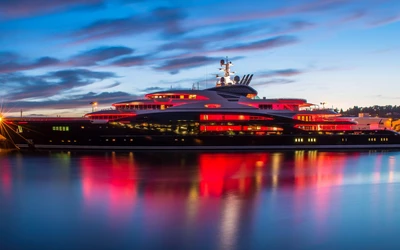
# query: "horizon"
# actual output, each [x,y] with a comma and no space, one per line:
[57,57]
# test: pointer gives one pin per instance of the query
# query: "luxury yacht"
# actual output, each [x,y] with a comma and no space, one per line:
[227,116]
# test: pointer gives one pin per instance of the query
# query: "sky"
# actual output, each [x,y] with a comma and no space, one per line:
[57,56]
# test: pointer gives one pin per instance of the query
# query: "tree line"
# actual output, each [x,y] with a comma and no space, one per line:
[389,111]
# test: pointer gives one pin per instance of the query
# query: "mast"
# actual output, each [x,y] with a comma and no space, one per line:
[226,78]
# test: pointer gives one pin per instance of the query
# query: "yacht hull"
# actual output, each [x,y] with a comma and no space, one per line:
[256,142]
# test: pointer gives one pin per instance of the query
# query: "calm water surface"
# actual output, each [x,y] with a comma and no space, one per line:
[200,200]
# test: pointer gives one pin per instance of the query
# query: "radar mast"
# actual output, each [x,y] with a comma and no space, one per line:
[226,78]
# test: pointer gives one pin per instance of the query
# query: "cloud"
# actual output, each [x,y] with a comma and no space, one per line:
[263,13]
[316,5]
[352,16]
[27,8]
[166,20]
[6,56]
[11,62]
[175,65]
[106,97]
[93,56]
[292,26]
[282,72]
[188,44]
[273,81]
[179,62]
[115,84]
[129,61]
[21,87]
[153,89]
[269,43]
[158,89]
[207,42]
[72,102]
[200,42]
[385,20]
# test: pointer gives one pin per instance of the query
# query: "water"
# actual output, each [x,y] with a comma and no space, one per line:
[200,200]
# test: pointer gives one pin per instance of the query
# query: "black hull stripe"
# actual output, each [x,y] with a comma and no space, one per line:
[282,147]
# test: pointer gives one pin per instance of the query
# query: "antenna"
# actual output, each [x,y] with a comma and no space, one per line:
[241,80]
[244,80]
[249,79]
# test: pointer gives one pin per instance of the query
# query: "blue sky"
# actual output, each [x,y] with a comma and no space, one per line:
[57,56]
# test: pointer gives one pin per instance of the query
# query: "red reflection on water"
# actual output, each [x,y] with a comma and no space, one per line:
[315,174]
[109,182]
[221,173]
[318,169]
[6,177]
[377,169]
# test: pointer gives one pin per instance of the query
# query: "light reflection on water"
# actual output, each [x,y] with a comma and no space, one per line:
[199,200]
